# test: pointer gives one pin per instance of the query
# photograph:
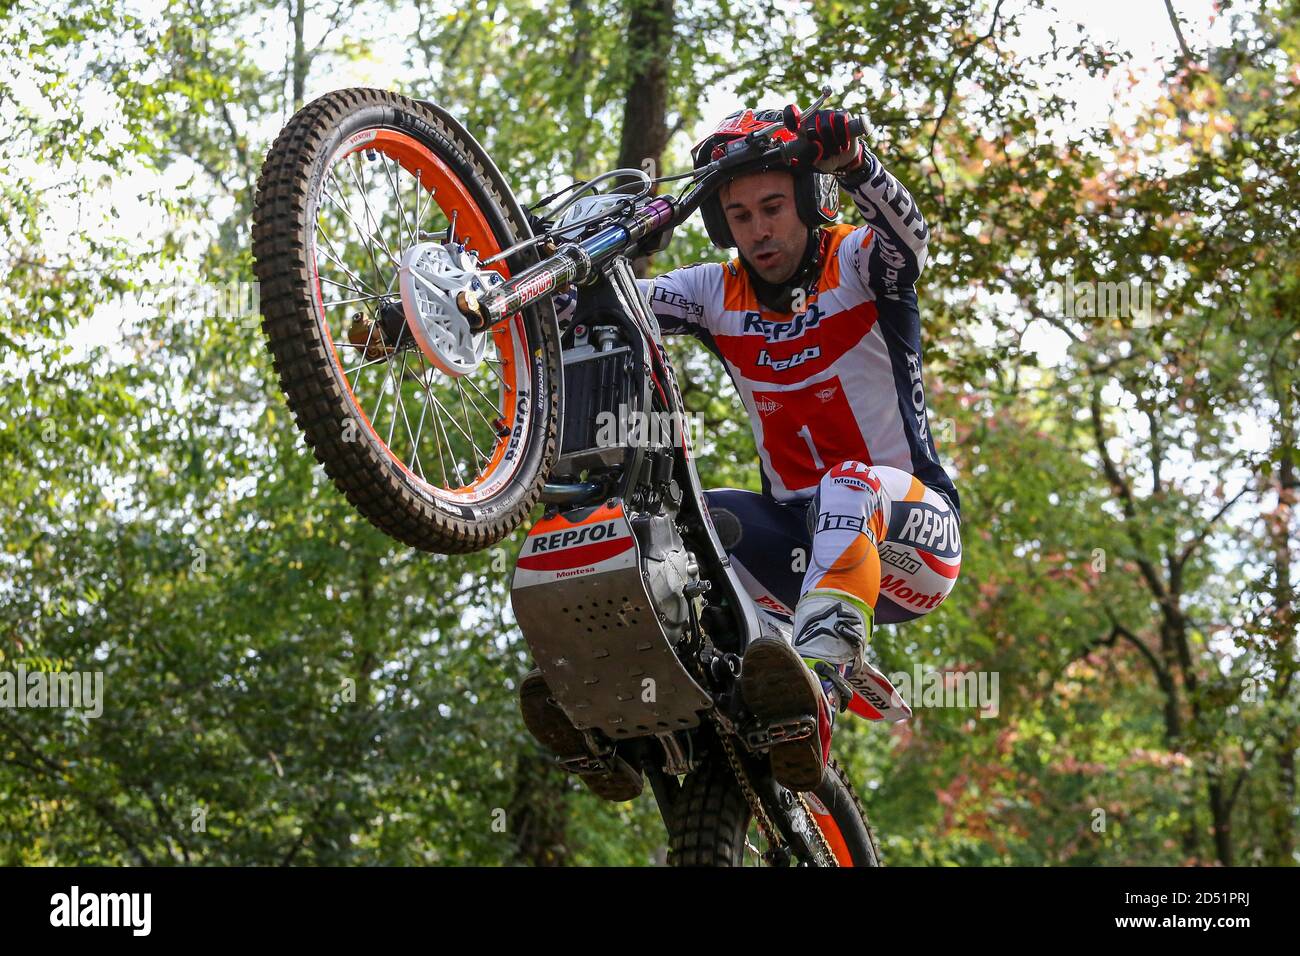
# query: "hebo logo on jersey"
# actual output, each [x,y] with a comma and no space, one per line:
[763,358]
[899,559]
[677,302]
[780,365]
[829,522]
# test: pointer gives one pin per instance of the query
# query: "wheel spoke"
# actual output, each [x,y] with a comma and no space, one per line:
[465,411]
[492,364]
[383,390]
[442,464]
[372,242]
[491,404]
[372,218]
[401,402]
[341,285]
[369,338]
[486,399]
[397,391]
[437,420]
[333,256]
[366,242]
[452,419]
[357,170]
[394,180]
[419,425]
[363,298]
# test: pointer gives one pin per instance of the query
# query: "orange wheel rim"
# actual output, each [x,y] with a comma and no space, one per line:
[834,838]
[477,424]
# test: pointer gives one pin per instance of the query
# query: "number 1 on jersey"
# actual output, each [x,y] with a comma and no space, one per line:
[806,433]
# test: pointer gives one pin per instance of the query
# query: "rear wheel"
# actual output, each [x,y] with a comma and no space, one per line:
[440,437]
[714,825]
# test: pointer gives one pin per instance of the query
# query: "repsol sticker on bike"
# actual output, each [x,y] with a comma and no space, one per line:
[572,538]
[517,432]
[559,548]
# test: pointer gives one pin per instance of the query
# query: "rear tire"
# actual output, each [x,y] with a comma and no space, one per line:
[712,819]
[448,172]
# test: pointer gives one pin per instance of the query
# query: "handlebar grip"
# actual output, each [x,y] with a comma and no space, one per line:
[802,149]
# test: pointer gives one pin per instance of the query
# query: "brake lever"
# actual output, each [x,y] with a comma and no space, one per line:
[800,149]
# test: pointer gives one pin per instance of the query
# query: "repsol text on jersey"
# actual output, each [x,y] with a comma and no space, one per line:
[799,323]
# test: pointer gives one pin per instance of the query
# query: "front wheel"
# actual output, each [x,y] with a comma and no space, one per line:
[441,438]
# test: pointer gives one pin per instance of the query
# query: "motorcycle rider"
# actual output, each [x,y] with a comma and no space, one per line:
[818,327]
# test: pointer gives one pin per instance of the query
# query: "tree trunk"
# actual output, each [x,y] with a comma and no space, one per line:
[1283,827]
[579,64]
[538,811]
[1286,733]
[1221,814]
[645,108]
[299,65]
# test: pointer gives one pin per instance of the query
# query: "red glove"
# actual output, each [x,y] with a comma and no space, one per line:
[837,151]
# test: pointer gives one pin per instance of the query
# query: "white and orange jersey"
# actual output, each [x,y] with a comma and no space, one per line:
[841,380]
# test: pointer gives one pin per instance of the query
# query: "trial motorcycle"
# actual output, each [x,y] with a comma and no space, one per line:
[409,306]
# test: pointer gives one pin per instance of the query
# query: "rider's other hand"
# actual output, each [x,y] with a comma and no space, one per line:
[837,151]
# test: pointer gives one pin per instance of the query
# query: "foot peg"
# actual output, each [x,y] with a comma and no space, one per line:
[763,737]
[585,763]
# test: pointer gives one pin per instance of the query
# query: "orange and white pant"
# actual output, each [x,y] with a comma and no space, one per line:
[872,531]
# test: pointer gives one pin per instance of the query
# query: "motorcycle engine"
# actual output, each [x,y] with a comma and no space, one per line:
[669,569]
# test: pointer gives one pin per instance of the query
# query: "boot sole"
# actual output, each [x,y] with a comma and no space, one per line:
[775,690]
[551,728]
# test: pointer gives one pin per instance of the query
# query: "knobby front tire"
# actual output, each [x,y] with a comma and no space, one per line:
[444,463]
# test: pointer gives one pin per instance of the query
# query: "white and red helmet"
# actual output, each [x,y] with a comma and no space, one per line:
[816,194]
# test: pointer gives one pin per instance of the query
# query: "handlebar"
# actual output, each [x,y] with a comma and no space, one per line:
[575,261]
